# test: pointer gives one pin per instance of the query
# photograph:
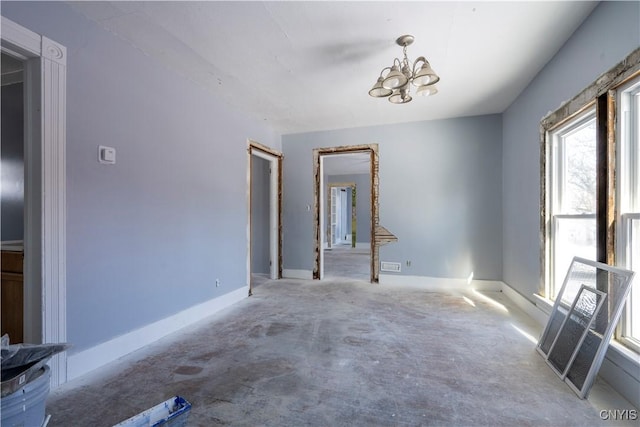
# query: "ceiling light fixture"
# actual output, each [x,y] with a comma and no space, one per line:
[395,84]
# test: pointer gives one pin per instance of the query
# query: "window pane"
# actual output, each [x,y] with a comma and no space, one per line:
[573,237]
[579,186]
[573,205]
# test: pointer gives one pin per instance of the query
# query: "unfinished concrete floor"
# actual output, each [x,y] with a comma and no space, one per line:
[343,261]
[341,353]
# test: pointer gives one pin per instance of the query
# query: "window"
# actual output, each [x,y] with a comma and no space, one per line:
[572,201]
[628,238]
[590,180]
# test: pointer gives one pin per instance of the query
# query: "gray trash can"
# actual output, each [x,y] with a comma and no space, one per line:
[26,406]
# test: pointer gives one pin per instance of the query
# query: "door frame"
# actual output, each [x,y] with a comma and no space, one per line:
[318,211]
[352,186]
[45,187]
[275,159]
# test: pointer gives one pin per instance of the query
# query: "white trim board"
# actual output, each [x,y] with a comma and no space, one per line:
[45,214]
[275,159]
[439,283]
[297,274]
[619,378]
[101,354]
[535,311]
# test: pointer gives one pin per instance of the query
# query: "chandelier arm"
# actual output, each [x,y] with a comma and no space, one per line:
[382,71]
[418,59]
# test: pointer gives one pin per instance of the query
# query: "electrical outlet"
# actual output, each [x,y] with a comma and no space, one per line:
[217,282]
[408,263]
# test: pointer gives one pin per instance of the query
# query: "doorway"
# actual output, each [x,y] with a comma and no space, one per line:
[44,161]
[12,198]
[347,249]
[341,217]
[264,196]
[336,171]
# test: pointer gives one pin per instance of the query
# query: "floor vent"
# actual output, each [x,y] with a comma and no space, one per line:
[390,266]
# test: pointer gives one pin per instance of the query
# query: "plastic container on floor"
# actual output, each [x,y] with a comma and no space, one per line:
[26,406]
[170,413]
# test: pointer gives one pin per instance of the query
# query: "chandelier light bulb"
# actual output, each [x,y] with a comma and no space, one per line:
[394,79]
[425,76]
[377,91]
[427,90]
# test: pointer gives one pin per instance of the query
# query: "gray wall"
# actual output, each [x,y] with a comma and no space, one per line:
[12,152]
[440,194]
[363,203]
[606,37]
[259,215]
[148,236]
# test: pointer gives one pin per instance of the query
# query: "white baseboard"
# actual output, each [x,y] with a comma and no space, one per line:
[87,360]
[532,310]
[621,375]
[363,245]
[439,283]
[297,274]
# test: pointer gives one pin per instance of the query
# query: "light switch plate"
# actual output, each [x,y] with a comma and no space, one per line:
[106,155]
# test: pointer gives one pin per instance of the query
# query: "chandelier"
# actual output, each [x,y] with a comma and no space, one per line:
[396,83]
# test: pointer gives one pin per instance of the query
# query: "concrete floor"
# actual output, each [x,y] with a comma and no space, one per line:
[346,262]
[342,353]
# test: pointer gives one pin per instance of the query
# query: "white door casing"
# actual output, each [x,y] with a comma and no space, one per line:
[344,215]
[45,186]
[275,166]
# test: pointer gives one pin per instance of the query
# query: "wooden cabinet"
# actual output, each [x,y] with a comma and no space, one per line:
[12,296]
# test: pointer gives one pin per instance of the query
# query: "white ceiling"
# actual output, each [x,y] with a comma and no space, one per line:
[307,66]
[343,164]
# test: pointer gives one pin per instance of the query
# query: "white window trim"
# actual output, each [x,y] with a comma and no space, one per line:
[623,329]
[627,179]
[553,195]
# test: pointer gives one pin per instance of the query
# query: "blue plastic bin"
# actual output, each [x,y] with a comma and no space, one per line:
[172,412]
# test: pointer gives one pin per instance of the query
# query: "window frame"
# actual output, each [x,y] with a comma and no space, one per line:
[555,176]
[628,183]
[602,94]
[574,124]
